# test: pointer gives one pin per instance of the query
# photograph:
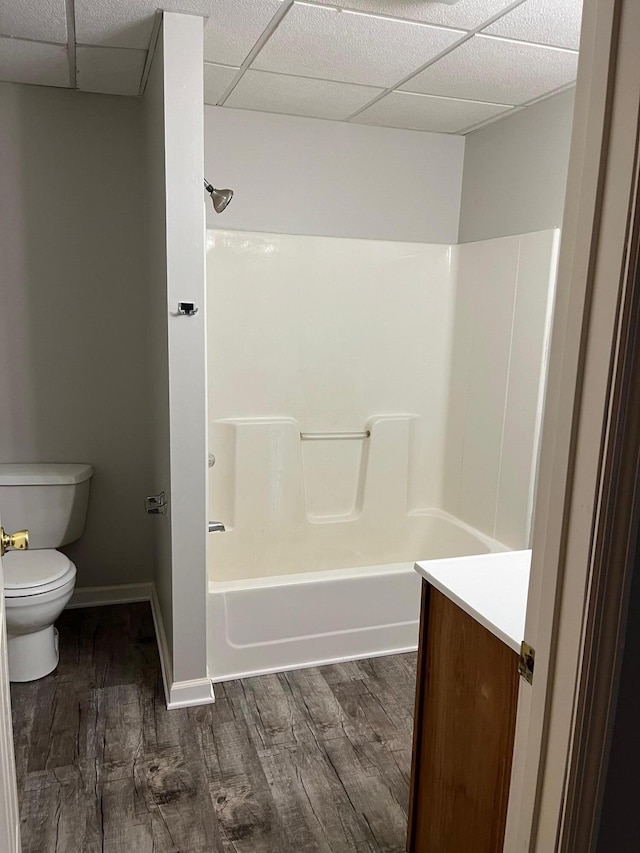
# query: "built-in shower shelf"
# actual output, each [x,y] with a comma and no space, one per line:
[275,481]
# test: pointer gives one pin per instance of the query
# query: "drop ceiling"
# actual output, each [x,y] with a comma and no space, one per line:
[416,64]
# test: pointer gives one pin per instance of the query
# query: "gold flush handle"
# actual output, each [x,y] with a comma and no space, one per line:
[19,541]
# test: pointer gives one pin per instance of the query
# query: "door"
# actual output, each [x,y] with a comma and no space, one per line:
[579,441]
[9,817]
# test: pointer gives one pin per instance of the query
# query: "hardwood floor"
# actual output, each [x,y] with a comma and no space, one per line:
[312,760]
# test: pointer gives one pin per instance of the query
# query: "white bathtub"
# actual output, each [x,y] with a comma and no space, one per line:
[294,620]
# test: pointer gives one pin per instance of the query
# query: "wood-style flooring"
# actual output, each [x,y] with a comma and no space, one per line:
[312,760]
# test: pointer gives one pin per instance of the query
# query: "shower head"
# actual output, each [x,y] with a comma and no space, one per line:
[220,198]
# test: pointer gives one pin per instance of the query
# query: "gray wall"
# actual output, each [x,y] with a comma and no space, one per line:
[73,341]
[515,172]
[297,175]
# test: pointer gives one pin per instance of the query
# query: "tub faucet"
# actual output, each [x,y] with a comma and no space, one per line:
[216,527]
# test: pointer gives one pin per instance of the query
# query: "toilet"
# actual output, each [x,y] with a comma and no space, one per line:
[50,501]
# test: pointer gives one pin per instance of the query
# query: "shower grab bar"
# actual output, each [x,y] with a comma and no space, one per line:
[333,436]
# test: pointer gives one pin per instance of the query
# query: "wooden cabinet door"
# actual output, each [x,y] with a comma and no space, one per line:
[463,740]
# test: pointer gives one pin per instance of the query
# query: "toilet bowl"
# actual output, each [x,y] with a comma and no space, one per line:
[50,500]
[37,587]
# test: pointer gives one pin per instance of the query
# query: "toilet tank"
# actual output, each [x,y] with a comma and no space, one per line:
[49,500]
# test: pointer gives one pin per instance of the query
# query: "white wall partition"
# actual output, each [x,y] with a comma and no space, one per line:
[177,423]
[158,435]
[504,299]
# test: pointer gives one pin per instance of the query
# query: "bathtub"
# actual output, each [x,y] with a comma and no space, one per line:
[299,619]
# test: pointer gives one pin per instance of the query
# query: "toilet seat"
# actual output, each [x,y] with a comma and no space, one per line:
[35,572]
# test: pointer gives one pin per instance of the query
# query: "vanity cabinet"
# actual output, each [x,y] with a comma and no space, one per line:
[465,715]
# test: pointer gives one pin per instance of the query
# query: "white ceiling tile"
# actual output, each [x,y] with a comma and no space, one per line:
[45,20]
[115,24]
[350,47]
[466,14]
[230,33]
[216,80]
[496,70]
[278,93]
[234,27]
[33,62]
[544,22]
[426,112]
[110,70]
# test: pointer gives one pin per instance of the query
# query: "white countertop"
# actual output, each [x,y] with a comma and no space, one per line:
[492,588]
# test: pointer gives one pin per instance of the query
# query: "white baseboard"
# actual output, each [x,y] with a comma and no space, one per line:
[177,694]
[187,694]
[99,596]
[163,646]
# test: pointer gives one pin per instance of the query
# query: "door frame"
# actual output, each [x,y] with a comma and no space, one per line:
[9,811]
[572,598]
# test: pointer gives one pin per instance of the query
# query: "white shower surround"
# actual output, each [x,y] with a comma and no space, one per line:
[440,353]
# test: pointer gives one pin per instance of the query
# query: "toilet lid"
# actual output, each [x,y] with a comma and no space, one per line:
[25,569]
